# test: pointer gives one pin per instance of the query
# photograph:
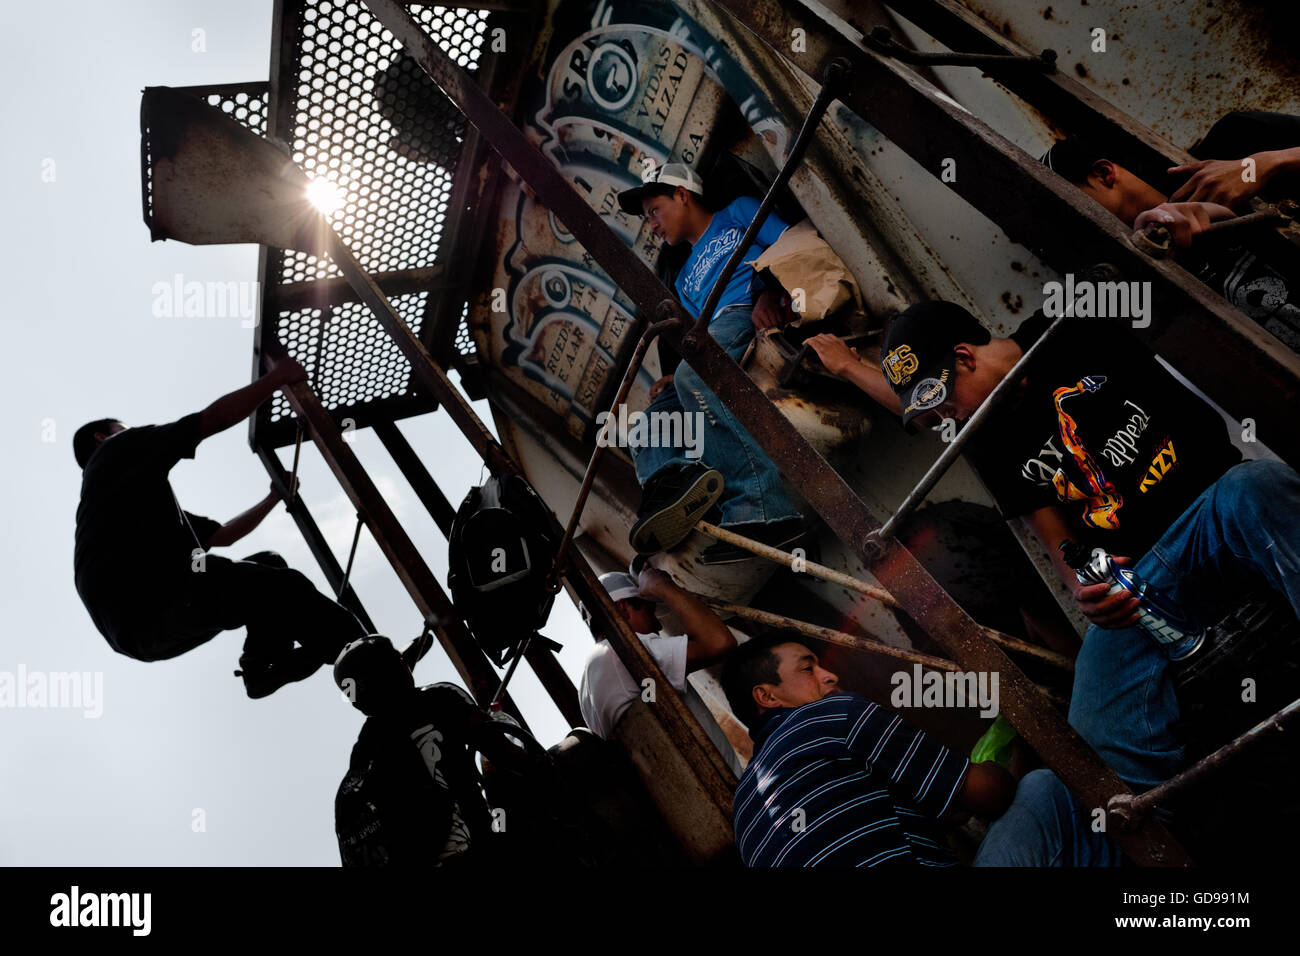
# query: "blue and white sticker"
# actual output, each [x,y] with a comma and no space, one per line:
[929,393]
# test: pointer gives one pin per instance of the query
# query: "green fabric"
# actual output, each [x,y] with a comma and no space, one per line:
[995,745]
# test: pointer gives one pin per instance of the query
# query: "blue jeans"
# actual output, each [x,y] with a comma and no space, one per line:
[752,489]
[1045,826]
[1244,529]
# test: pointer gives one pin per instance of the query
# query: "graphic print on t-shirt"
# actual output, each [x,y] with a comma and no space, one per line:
[1101,508]
[1099,496]
[1258,290]
[1104,433]
[711,253]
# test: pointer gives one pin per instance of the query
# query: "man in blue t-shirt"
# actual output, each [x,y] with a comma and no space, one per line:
[837,780]
[724,465]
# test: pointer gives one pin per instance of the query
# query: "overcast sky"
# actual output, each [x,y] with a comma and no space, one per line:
[178,742]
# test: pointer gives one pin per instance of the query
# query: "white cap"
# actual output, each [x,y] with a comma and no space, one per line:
[619,585]
[669,174]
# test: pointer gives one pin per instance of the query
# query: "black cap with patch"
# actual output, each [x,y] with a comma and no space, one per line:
[918,353]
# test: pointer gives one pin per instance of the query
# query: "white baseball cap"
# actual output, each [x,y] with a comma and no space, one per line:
[669,174]
[619,585]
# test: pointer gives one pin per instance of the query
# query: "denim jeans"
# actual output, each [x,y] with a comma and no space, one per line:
[1045,826]
[1243,529]
[752,489]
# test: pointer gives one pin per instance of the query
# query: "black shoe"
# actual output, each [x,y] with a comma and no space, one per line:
[264,676]
[783,534]
[673,500]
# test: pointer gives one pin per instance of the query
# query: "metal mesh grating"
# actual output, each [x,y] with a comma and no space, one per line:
[372,124]
[247,104]
[367,119]
[464,338]
[355,361]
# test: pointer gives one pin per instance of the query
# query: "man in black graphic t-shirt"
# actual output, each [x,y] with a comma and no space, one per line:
[1100,444]
[141,562]
[1110,438]
[1245,154]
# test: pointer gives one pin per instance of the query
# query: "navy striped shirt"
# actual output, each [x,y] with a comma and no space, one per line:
[844,782]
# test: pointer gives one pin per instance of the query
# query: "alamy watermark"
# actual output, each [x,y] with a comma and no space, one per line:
[181,299]
[65,690]
[677,429]
[75,908]
[1102,300]
[948,689]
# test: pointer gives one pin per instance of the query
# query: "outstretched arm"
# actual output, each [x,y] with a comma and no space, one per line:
[1230,182]
[843,361]
[243,524]
[708,639]
[230,410]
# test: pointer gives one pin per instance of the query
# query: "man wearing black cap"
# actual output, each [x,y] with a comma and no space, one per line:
[1245,154]
[734,472]
[1101,445]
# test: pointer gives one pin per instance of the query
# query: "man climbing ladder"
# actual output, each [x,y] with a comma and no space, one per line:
[142,567]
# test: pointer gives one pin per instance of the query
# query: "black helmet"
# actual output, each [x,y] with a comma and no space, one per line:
[371,673]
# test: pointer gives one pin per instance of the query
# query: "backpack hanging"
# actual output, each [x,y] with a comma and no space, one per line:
[501,549]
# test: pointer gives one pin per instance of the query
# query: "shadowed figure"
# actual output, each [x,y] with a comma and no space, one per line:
[143,567]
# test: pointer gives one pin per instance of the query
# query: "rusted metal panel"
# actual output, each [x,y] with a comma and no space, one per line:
[1234,360]
[1063,99]
[613,98]
[1023,704]
[1175,65]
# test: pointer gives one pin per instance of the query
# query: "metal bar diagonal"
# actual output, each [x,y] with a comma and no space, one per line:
[316,542]
[715,776]
[466,656]
[544,664]
[1023,704]
[999,396]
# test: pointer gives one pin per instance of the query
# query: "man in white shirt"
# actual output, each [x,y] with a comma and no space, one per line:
[607,689]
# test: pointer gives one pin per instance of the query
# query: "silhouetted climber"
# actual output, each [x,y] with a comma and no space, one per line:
[412,796]
[141,564]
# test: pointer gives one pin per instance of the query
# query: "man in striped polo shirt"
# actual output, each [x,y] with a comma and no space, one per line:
[838,781]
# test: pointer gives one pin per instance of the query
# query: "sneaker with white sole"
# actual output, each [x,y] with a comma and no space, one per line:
[674,499]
